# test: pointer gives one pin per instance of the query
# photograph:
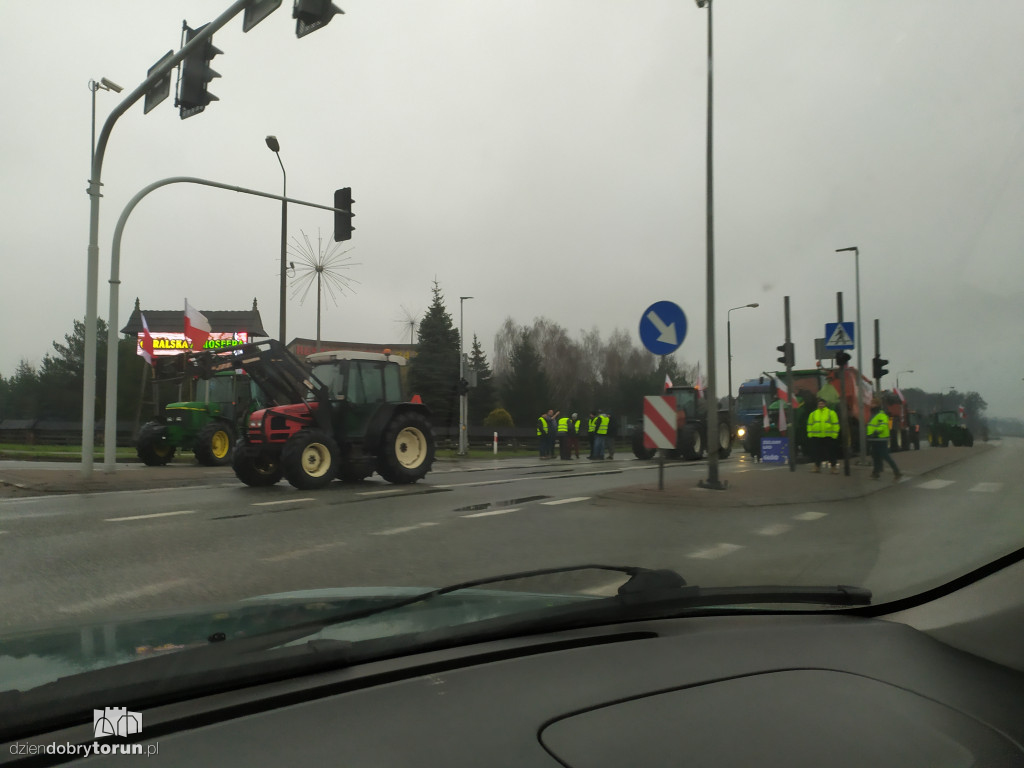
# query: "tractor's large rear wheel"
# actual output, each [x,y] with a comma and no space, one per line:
[639,449]
[310,459]
[152,447]
[407,449]
[255,468]
[691,445]
[724,440]
[214,443]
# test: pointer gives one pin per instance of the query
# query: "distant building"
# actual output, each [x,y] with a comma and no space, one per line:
[167,327]
[301,347]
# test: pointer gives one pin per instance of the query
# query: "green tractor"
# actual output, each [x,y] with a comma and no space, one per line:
[945,429]
[207,425]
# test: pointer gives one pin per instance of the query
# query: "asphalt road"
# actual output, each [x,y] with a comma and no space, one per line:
[74,556]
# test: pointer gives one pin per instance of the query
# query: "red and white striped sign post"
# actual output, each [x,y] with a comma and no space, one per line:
[660,428]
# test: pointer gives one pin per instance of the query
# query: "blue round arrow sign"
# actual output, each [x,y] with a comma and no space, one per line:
[663,327]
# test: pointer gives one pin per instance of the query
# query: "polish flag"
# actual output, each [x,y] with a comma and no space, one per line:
[782,418]
[668,381]
[147,341]
[960,410]
[782,391]
[197,327]
[764,413]
[899,394]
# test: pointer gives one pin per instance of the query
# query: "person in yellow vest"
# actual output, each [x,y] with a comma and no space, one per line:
[878,442]
[596,442]
[823,432]
[564,429]
[543,428]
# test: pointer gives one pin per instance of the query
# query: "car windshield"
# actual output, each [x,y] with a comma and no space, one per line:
[516,287]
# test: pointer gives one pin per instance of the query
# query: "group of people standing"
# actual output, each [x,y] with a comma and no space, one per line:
[823,433]
[566,431]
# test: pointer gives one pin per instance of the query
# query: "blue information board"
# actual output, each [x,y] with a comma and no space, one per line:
[774,450]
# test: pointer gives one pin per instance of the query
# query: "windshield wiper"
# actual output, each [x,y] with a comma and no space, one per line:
[222,663]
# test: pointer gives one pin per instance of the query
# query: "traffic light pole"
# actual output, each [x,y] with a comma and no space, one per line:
[161,70]
[110,415]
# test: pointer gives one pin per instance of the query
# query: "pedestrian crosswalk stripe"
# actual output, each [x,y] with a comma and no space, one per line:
[987,487]
[718,550]
[564,501]
[934,485]
[810,516]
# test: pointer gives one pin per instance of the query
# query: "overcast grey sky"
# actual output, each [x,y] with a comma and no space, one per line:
[547,158]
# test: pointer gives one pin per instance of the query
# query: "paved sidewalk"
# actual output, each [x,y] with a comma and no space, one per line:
[748,484]
[758,485]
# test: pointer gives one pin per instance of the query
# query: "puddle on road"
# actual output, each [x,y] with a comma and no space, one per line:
[498,504]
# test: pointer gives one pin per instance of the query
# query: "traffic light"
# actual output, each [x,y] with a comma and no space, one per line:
[787,354]
[878,366]
[842,358]
[463,387]
[196,75]
[343,221]
[310,15]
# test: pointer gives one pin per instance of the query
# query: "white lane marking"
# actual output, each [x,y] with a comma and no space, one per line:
[481,482]
[712,553]
[64,497]
[147,517]
[564,501]
[810,516]
[773,530]
[934,485]
[403,529]
[378,493]
[492,512]
[297,553]
[108,600]
[987,487]
[282,501]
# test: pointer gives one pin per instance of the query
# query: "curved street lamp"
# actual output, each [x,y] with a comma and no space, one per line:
[275,147]
[728,335]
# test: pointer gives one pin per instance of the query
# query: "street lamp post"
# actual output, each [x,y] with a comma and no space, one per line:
[463,402]
[102,85]
[728,335]
[860,353]
[275,147]
[898,377]
[712,481]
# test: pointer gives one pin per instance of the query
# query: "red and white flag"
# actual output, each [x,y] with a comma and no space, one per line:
[782,418]
[147,341]
[668,381]
[764,413]
[782,391]
[899,394]
[197,327]
[960,410]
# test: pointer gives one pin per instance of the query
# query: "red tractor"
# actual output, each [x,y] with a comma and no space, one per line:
[339,415]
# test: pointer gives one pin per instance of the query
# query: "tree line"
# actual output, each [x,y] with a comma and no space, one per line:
[536,366]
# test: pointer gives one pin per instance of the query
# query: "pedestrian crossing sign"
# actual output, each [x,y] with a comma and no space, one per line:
[839,335]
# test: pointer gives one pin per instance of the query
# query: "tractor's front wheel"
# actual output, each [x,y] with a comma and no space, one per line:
[255,468]
[310,459]
[213,445]
[152,447]
[407,449]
